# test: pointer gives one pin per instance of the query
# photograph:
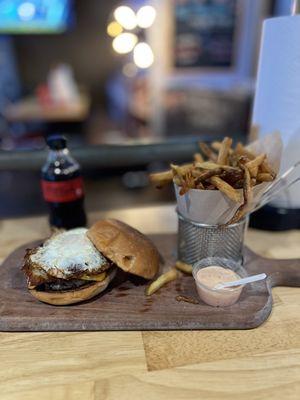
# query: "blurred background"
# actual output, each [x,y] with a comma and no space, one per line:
[132,84]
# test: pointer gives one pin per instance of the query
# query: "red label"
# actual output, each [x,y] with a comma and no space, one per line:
[62,192]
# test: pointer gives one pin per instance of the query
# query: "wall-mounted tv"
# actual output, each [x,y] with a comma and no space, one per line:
[35,16]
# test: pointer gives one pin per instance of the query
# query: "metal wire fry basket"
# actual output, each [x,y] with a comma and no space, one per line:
[197,241]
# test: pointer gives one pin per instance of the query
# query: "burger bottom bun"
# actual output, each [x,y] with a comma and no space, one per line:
[63,298]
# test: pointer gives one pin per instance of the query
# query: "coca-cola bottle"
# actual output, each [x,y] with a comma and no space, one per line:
[62,186]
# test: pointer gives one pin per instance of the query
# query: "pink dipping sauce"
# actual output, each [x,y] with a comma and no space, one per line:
[207,278]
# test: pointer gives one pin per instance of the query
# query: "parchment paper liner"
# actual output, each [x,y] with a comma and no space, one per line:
[212,207]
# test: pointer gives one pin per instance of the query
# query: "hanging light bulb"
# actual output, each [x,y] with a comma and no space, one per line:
[146,16]
[114,29]
[126,17]
[124,43]
[143,55]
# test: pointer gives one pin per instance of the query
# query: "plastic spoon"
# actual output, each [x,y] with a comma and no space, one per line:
[244,281]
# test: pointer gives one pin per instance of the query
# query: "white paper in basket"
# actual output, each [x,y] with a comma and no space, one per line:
[212,207]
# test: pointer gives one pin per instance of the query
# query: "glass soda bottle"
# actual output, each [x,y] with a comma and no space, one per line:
[62,186]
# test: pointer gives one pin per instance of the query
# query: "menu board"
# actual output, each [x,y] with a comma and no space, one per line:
[204,33]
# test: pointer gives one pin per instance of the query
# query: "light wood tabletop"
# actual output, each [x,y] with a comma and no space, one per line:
[263,363]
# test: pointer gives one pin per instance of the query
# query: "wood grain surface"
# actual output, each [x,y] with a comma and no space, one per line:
[124,305]
[258,364]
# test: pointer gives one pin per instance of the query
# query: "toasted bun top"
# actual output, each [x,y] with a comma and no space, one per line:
[129,249]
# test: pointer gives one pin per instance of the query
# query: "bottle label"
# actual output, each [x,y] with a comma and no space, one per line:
[62,192]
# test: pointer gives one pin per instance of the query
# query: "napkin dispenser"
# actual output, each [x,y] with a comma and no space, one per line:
[277,103]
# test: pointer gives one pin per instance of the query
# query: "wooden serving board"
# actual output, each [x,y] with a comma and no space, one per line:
[124,306]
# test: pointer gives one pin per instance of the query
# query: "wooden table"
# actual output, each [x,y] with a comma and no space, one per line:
[258,364]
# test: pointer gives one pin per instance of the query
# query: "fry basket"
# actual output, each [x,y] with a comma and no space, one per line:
[197,241]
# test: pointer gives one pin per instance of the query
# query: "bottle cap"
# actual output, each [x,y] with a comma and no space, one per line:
[56,142]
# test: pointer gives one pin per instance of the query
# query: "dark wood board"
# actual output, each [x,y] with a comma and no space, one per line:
[124,306]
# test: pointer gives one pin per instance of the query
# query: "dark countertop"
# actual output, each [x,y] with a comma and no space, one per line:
[20,194]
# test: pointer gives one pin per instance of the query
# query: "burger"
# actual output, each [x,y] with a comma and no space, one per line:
[78,264]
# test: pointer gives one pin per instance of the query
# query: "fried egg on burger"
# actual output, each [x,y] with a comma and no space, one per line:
[65,267]
[76,265]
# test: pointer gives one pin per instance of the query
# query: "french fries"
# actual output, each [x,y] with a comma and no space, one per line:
[161,179]
[169,276]
[225,188]
[266,168]
[224,151]
[264,177]
[198,157]
[221,167]
[204,175]
[181,170]
[178,180]
[212,165]
[208,152]
[254,164]
[183,267]
[161,281]
[248,196]
[242,151]
[217,145]
[253,181]
[253,134]
[206,165]
[247,189]
[233,177]
[187,184]
[200,186]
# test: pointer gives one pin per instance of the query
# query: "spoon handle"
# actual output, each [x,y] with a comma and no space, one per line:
[244,281]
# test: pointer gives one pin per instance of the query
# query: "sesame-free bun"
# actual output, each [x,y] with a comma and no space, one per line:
[126,247]
[66,297]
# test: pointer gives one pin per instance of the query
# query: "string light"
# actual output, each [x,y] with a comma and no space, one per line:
[114,29]
[126,17]
[124,43]
[146,16]
[143,55]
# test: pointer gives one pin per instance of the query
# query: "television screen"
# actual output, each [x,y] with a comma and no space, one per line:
[34,16]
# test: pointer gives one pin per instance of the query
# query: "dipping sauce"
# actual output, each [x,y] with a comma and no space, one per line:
[206,280]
